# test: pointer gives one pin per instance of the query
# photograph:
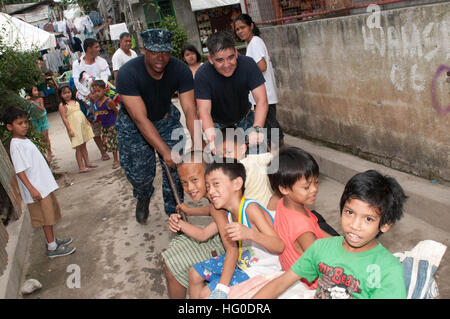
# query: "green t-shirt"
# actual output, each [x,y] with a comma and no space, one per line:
[373,274]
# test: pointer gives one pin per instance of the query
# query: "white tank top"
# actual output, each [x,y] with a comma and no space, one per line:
[253,258]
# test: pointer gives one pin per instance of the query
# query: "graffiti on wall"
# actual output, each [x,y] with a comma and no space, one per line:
[409,48]
[441,110]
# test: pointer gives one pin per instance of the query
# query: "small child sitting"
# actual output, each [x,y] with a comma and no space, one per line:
[36,182]
[246,230]
[195,244]
[354,265]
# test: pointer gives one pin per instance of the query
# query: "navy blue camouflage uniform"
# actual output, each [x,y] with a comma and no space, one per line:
[138,158]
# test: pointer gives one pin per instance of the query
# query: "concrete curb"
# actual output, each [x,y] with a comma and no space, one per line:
[17,248]
[427,201]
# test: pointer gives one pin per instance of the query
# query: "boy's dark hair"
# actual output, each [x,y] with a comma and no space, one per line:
[219,41]
[89,42]
[248,21]
[230,167]
[190,47]
[293,164]
[13,113]
[99,83]
[383,193]
[124,34]
[61,87]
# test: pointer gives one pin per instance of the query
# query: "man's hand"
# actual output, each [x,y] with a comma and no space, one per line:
[210,134]
[255,138]
[171,158]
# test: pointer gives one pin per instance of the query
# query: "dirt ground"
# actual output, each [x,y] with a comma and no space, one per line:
[119,258]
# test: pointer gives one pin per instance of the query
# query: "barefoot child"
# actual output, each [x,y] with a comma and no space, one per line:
[246,230]
[36,182]
[39,118]
[107,112]
[77,126]
[196,244]
[355,265]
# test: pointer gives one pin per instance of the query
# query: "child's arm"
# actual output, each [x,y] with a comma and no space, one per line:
[277,286]
[303,241]
[41,104]
[193,211]
[262,232]
[325,234]
[112,106]
[33,191]
[201,234]
[272,204]
[231,249]
[63,112]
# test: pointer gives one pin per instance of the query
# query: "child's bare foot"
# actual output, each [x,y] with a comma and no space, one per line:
[115,165]
[85,170]
[92,165]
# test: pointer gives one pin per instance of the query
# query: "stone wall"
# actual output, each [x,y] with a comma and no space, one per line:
[378,91]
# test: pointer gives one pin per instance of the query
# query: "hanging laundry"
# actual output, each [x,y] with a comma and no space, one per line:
[96,18]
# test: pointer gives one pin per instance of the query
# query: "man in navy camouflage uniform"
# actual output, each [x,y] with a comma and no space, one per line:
[148,119]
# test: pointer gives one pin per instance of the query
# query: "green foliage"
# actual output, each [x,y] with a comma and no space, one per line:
[179,37]
[18,70]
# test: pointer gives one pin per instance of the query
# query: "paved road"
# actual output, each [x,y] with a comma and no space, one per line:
[118,258]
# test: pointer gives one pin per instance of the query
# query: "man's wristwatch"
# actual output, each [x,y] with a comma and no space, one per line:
[257,129]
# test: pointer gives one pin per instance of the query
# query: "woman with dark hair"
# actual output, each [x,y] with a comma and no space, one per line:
[192,57]
[247,31]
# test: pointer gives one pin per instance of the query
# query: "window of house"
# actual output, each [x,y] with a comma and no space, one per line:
[154,16]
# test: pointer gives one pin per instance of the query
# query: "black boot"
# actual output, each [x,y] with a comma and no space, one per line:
[142,210]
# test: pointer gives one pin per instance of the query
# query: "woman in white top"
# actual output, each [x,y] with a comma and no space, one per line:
[192,57]
[247,31]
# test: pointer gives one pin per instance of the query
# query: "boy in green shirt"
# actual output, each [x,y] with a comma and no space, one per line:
[355,265]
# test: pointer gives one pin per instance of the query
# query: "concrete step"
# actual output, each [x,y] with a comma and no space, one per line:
[427,201]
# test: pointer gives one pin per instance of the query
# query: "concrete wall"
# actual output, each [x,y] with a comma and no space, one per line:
[186,17]
[380,93]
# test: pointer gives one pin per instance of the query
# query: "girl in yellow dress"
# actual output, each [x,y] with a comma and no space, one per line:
[77,126]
